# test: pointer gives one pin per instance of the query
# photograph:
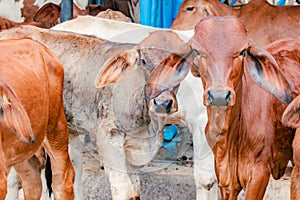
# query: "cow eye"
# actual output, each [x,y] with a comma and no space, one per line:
[243,53]
[143,61]
[240,54]
[1,112]
[197,53]
[190,9]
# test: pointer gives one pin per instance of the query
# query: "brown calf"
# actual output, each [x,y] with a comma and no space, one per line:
[242,85]
[264,22]
[32,117]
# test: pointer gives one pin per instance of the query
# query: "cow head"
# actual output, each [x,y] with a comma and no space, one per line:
[13,116]
[221,54]
[145,56]
[191,11]
[129,71]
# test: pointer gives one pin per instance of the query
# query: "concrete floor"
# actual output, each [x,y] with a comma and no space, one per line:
[165,182]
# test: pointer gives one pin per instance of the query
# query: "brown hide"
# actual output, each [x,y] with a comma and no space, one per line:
[265,23]
[47,16]
[113,15]
[244,125]
[29,9]
[117,115]
[291,114]
[32,118]
[118,5]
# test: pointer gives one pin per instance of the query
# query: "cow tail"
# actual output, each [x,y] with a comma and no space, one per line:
[48,175]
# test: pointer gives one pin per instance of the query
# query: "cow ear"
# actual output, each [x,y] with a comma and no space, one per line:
[291,115]
[117,67]
[14,117]
[267,74]
[170,72]
[48,15]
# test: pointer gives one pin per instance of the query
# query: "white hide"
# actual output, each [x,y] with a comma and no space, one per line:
[11,9]
[115,31]
[189,95]
[12,185]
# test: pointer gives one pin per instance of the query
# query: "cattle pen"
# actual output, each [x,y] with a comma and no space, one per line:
[171,174]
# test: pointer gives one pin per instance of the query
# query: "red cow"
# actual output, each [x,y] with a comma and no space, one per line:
[32,117]
[265,23]
[242,84]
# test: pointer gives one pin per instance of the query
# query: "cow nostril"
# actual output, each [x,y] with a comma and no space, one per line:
[219,98]
[210,97]
[163,106]
[168,105]
[154,102]
[228,97]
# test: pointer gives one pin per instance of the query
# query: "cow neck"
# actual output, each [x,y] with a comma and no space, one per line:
[225,150]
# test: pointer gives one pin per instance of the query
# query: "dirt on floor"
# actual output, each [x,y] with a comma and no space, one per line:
[162,180]
[168,177]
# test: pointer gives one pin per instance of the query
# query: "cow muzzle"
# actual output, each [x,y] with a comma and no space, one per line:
[219,97]
[164,104]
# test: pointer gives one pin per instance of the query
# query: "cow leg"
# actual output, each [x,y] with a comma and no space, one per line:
[121,185]
[3,183]
[295,179]
[56,145]
[30,175]
[112,155]
[230,194]
[135,180]
[295,184]
[13,185]
[258,183]
[75,151]
[204,172]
